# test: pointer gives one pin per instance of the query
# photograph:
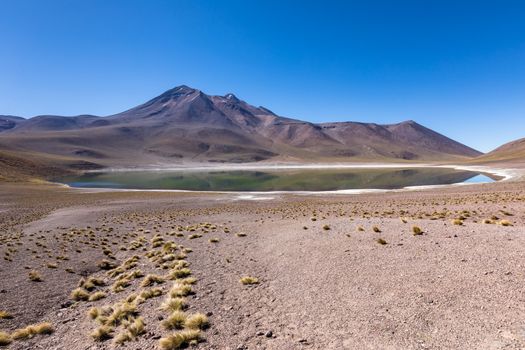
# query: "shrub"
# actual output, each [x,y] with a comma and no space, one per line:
[102,333]
[176,320]
[505,223]
[174,304]
[249,280]
[32,330]
[197,321]
[152,279]
[35,276]
[5,315]
[5,339]
[97,296]
[181,273]
[79,294]
[180,340]
[416,230]
[180,290]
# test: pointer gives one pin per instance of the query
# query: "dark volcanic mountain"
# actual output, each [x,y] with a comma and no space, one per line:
[184,124]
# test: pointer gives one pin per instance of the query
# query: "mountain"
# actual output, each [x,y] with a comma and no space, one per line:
[186,125]
[513,151]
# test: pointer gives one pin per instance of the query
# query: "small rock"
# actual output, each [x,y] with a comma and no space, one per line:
[269,334]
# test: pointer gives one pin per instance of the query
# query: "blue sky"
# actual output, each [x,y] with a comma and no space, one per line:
[457,67]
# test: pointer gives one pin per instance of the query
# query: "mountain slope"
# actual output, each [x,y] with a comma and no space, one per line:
[184,124]
[512,151]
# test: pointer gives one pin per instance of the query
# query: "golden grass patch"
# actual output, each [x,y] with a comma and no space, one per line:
[247,280]
[176,320]
[180,340]
[197,321]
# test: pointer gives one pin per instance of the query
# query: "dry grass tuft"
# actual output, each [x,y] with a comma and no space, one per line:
[180,340]
[94,312]
[102,333]
[106,265]
[176,320]
[133,330]
[197,321]
[5,339]
[417,231]
[505,223]
[180,273]
[180,290]
[32,330]
[247,280]
[35,276]
[152,279]
[97,296]
[151,293]
[457,222]
[376,229]
[4,315]
[173,304]
[122,312]
[79,294]
[381,241]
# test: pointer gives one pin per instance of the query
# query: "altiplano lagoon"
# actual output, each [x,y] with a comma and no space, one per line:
[265,180]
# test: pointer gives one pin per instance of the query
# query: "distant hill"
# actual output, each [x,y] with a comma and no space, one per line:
[186,125]
[510,152]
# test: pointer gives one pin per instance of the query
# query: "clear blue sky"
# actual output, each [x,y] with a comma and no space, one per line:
[455,66]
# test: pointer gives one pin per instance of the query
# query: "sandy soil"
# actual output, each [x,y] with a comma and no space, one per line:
[324,280]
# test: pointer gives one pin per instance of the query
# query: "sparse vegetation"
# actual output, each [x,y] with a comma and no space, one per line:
[458,222]
[249,280]
[416,230]
[5,339]
[32,330]
[79,294]
[5,315]
[180,340]
[176,320]
[197,321]
[102,333]
[174,304]
[97,296]
[35,276]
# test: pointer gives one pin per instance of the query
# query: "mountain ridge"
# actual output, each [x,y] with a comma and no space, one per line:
[185,124]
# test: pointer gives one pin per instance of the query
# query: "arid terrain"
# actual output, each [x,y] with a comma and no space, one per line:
[428,269]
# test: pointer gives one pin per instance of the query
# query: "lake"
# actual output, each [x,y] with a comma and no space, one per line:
[275,179]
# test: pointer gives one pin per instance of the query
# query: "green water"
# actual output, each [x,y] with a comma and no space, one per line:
[274,180]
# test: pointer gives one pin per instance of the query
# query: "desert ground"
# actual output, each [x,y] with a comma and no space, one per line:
[425,269]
